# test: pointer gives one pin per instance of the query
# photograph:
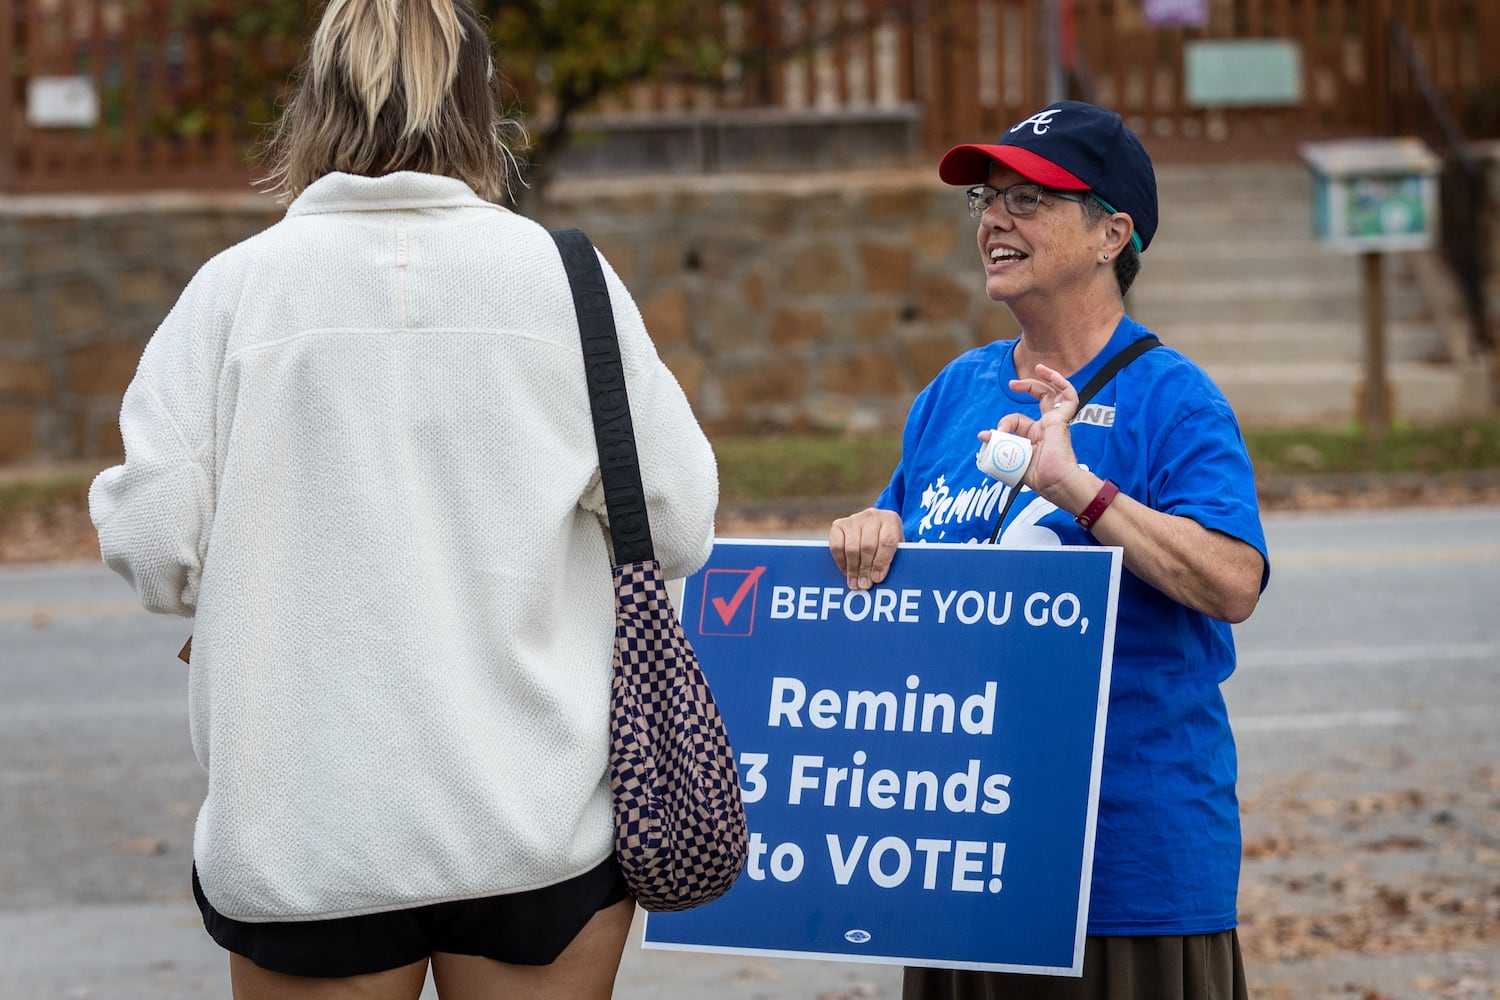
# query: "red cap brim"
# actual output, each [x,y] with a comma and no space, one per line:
[971,164]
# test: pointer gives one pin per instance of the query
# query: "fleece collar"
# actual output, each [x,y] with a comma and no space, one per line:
[338,192]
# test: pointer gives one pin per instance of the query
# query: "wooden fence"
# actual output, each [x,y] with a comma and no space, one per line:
[166,113]
[1344,56]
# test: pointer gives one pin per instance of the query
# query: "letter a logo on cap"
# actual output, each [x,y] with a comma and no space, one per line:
[1041,122]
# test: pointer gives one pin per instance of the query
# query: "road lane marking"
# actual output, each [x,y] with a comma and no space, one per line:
[51,712]
[54,612]
[1319,720]
[118,774]
[1406,556]
[1479,654]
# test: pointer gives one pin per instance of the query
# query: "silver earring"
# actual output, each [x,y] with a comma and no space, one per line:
[1106,256]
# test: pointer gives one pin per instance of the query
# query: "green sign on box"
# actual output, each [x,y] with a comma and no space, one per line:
[1243,73]
[1373,194]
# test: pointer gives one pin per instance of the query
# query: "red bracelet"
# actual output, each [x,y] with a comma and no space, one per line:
[1097,506]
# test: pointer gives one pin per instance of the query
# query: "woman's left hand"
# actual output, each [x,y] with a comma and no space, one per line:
[1206,570]
[1052,458]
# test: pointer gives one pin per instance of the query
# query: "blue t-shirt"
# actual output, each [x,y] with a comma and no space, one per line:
[1167,850]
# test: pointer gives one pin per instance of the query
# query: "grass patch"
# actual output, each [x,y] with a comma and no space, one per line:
[1461,447]
[778,466]
[44,492]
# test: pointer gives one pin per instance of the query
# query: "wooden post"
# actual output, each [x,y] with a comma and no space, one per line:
[8,95]
[1487,16]
[1377,28]
[1373,398]
[961,66]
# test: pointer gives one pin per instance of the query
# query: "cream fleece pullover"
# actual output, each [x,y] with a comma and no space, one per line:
[359,453]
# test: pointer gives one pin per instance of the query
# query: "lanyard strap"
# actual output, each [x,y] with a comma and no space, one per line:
[1101,378]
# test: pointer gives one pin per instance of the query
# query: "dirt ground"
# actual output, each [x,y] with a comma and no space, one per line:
[1376,896]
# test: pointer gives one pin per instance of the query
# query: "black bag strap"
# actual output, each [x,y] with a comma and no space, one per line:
[1112,367]
[1101,378]
[614,433]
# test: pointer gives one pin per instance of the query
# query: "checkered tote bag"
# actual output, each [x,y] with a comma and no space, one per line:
[679,818]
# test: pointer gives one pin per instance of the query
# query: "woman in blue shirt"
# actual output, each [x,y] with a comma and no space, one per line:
[1154,464]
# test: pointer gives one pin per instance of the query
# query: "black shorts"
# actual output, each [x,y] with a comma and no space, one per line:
[522,928]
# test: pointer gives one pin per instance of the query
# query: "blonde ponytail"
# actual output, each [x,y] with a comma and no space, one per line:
[427,80]
[393,85]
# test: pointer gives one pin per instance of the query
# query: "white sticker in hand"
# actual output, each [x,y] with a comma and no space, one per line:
[1005,457]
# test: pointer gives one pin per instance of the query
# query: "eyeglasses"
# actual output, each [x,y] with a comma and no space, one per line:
[1021,200]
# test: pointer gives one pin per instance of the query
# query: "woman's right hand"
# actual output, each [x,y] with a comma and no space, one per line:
[864,544]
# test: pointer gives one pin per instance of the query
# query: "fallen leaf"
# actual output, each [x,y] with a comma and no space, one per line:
[144,845]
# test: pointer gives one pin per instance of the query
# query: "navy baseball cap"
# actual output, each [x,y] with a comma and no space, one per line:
[1070,146]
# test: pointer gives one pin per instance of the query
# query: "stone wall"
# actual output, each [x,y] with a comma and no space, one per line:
[821,301]
[83,283]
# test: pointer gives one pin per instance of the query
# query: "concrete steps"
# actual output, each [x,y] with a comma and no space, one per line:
[1244,257]
[1284,298]
[1222,343]
[1236,280]
[1326,393]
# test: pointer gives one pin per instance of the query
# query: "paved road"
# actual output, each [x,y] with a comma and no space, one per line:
[1365,707]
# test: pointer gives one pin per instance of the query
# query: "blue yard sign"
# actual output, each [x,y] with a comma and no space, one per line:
[920,761]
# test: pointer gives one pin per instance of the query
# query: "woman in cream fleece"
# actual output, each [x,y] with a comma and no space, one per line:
[359,456]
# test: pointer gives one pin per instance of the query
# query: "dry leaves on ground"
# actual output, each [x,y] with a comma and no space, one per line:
[1407,870]
[56,532]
